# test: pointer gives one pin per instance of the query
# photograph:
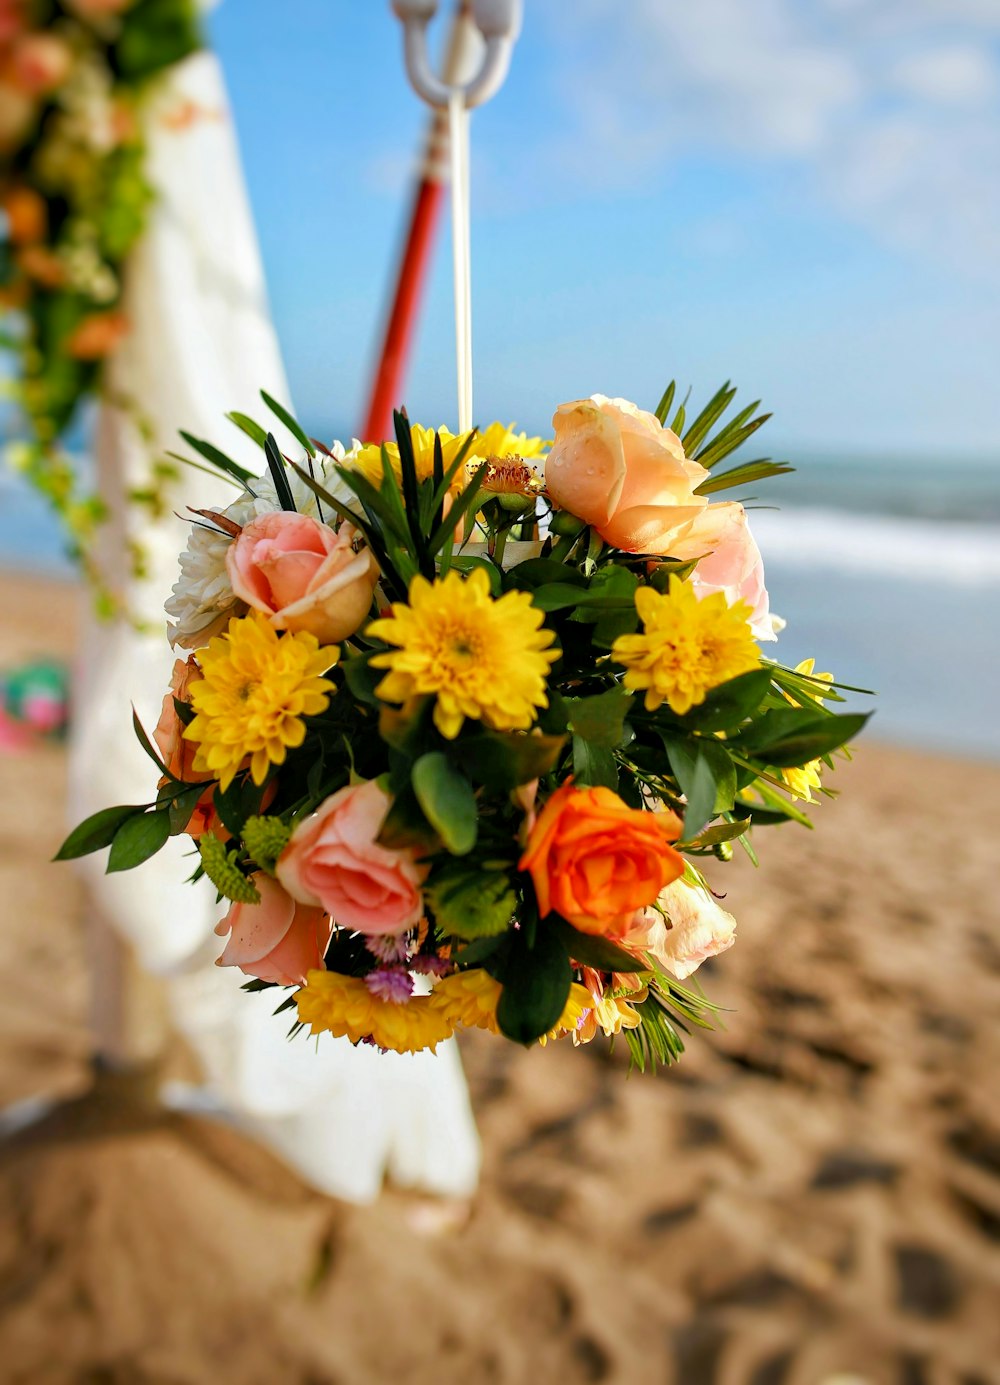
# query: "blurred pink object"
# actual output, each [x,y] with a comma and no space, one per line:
[14,739]
[732,563]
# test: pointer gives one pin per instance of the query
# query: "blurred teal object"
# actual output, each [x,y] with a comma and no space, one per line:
[34,701]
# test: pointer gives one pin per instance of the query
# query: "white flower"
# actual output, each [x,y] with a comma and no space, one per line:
[203,602]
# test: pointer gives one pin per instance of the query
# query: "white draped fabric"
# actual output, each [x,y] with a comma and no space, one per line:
[202,343]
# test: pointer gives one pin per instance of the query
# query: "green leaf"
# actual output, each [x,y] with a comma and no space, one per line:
[593,765]
[292,424]
[712,836]
[558,596]
[461,506]
[182,805]
[707,778]
[502,760]
[667,399]
[212,454]
[362,679]
[593,950]
[247,425]
[536,984]
[600,719]
[137,839]
[276,466]
[478,951]
[535,572]
[816,737]
[469,901]
[733,436]
[447,801]
[732,702]
[144,741]
[97,831]
[743,475]
[713,410]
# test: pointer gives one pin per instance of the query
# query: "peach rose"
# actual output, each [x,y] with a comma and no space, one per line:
[96,336]
[596,861]
[40,63]
[177,753]
[303,574]
[334,859]
[617,468]
[17,111]
[731,563]
[694,929]
[276,940]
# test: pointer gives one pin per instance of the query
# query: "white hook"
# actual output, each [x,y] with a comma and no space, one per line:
[499,22]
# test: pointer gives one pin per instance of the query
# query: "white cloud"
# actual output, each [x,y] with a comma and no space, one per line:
[887,111]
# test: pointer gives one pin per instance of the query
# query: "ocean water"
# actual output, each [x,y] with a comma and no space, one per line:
[885,568]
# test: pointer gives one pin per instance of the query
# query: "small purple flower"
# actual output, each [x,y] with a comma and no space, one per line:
[426,964]
[390,983]
[389,950]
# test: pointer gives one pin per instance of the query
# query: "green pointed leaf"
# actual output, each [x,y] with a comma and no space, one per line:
[218,458]
[292,424]
[731,702]
[536,984]
[743,475]
[247,425]
[600,719]
[663,408]
[591,949]
[97,831]
[447,801]
[137,839]
[713,410]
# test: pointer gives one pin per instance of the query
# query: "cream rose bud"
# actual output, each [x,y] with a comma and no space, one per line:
[303,574]
[729,562]
[694,929]
[334,859]
[616,467]
[277,940]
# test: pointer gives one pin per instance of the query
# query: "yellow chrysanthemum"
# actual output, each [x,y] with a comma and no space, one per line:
[806,667]
[687,648]
[578,1003]
[801,782]
[480,658]
[344,1006]
[494,441]
[469,998]
[256,687]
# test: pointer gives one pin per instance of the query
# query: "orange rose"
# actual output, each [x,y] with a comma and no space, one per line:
[96,336]
[596,861]
[177,753]
[27,215]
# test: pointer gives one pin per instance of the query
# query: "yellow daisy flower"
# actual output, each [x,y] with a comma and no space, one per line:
[255,689]
[469,998]
[480,658]
[496,441]
[344,1006]
[801,782]
[806,666]
[687,648]
[579,1003]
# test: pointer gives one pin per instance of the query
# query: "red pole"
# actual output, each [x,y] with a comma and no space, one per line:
[387,385]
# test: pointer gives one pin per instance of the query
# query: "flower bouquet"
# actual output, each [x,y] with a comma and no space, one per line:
[465,725]
[75,77]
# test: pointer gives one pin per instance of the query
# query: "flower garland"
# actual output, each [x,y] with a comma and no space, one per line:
[452,774]
[75,198]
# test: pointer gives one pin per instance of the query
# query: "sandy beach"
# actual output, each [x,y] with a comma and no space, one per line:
[812,1196]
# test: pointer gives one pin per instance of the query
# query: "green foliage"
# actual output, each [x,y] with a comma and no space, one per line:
[221,868]
[265,839]
[138,838]
[536,980]
[97,831]
[447,801]
[471,900]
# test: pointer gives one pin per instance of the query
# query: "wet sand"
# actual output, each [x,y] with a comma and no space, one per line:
[814,1193]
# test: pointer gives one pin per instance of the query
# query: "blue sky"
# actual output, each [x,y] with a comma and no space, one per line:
[802,195]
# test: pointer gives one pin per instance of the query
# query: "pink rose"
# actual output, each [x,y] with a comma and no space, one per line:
[276,940]
[334,859]
[303,574]
[694,929]
[617,468]
[41,62]
[732,563]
